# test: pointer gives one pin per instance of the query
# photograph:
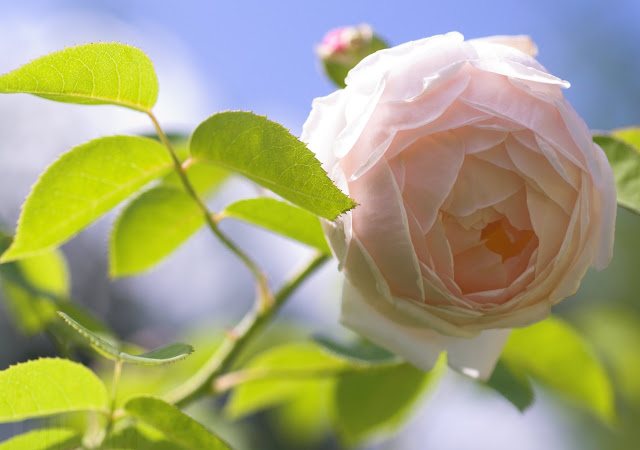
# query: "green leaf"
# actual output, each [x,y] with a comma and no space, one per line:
[268,154]
[172,422]
[513,386]
[378,400]
[45,439]
[282,218]
[92,74]
[163,355]
[360,351]
[139,437]
[49,386]
[33,287]
[82,185]
[283,373]
[614,332]
[304,418]
[624,158]
[152,226]
[82,315]
[554,353]
[629,135]
[45,274]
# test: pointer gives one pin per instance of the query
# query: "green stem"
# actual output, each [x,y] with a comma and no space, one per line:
[117,370]
[250,325]
[232,379]
[265,292]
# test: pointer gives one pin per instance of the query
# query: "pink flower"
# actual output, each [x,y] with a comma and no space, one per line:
[482,198]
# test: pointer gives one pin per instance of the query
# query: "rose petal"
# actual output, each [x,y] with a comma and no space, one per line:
[420,346]
[516,318]
[480,184]
[338,234]
[575,266]
[516,70]
[437,159]
[521,42]
[515,209]
[479,269]
[541,173]
[460,238]
[498,156]
[477,141]
[376,63]
[357,113]
[440,290]
[394,254]
[605,209]
[488,92]
[364,274]
[490,301]
[456,116]
[442,51]
[550,224]
[439,248]
[479,218]
[389,118]
[322,126]
[549,93]
[476,357]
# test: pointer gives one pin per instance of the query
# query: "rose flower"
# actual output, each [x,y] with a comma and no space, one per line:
[482,197]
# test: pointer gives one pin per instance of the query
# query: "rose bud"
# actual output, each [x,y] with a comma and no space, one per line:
[482,197]
[342,48]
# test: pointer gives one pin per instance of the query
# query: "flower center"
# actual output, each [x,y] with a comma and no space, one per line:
[504,239]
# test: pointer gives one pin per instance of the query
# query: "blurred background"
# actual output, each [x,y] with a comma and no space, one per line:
[212,56]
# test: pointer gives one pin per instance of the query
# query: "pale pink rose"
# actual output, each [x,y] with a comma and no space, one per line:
[482,198]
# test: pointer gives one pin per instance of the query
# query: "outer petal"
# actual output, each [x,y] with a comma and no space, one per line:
[419,345]
[425,56]
[607,212]
[323,125]
[381,213]
[520,42]
[476,357]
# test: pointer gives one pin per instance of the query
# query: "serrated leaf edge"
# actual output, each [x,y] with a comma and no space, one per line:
[98,100]
[353,204]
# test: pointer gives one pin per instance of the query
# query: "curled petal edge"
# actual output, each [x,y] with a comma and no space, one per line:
[520,42]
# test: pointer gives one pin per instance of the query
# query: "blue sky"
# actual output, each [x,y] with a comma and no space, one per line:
[257,55]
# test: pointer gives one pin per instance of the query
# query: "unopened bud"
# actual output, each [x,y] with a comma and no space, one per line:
[343,48]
